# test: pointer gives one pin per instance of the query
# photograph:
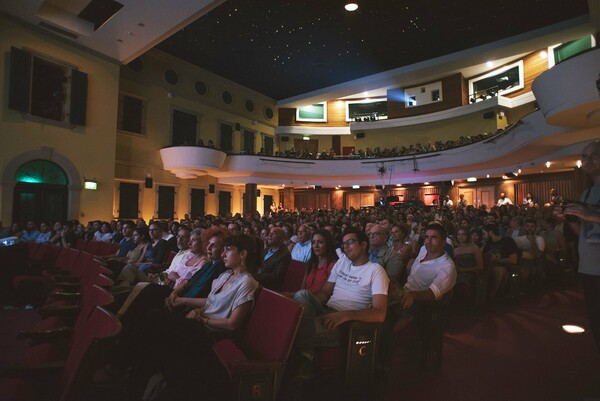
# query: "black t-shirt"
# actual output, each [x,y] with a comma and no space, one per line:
[502,248]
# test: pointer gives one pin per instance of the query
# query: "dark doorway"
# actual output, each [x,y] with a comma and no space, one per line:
[166,202]
[224,203]
[128,200]
[197,202]
[40,202]
[226,138]
[268,201]
[248,138]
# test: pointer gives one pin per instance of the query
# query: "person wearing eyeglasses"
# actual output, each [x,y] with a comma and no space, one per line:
[584,218]
[380,252]
[355,290]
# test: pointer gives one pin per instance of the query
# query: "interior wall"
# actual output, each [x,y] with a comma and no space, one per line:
[90,148]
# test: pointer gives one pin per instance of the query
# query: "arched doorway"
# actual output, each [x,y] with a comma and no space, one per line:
[40,192]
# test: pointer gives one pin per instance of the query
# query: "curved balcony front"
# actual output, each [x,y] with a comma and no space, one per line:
[568,92]
[192,161]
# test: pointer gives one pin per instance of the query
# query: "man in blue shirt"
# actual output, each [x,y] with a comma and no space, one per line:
[30,233]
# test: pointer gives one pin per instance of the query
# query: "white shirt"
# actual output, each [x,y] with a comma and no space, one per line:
[524,244]
[356,285]
[178,265]
[437,275]
[504,201]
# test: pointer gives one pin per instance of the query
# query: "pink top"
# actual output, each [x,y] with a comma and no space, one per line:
[317,277]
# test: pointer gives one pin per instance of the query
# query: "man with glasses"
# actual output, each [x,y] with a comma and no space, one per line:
[355,290]
[381,253]
[301,250]
[584,218]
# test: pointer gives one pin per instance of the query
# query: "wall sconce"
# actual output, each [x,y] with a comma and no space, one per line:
[90,184]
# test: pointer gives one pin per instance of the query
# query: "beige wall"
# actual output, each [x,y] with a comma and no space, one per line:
[137,156]
[90,149]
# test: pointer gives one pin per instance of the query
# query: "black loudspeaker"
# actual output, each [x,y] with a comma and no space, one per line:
[360,135]
[318,187]
[258,193]
[211,189]
[285,138]
[510,174]
[378,186]
[237,127]
[488,115]
[148,182]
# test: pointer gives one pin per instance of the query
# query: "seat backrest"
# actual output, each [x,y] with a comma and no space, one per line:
[66,259]
[104,248]
[81,244]
[272,327]
[92,297]
[170,258]
[46,254]
[32,248]
[87,351]
[294,276]
[92,247]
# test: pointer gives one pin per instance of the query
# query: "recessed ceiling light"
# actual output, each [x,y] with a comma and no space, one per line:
[544,54]
[351,7]
[426,183]
[578,163]
[472,179]
[490,63]
[355,186]
[573,329]
[548,164]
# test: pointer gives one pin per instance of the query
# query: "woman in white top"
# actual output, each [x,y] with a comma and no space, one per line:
[104,234]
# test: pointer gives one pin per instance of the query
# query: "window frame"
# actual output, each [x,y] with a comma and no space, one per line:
[518,63]
[144,100]
[314,120]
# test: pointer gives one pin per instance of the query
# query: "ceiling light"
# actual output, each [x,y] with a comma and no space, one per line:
[544,54]
[490,63]
[351,7]
[519,171]
[355,186]
[504,177]
[573,329]
[578,163]
[398,185]
[474,179]
[547,164]
[426,183]
[306,138]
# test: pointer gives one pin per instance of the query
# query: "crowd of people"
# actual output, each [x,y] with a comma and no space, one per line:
[358,263]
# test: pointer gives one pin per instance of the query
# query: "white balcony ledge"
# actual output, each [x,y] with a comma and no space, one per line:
[192,161]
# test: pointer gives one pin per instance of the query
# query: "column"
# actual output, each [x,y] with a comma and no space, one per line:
[250,198]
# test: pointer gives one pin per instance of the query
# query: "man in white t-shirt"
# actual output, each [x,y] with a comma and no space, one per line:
[355,290]
[503,200]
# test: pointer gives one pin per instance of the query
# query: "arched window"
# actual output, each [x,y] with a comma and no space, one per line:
[41,172]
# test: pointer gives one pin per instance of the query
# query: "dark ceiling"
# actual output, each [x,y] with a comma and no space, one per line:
[286,48]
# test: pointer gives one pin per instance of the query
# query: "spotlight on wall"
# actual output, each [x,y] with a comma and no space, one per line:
[90,184]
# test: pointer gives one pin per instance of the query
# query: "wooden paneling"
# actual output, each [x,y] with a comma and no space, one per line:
[533,66]
[452,96]
[541,190]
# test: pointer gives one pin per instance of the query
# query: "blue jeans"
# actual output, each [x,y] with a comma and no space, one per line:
[312,333]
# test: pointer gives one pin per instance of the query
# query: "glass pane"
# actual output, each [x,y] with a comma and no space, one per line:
[41,172]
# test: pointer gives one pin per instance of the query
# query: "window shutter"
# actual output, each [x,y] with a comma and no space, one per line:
[79,83]
[20,80]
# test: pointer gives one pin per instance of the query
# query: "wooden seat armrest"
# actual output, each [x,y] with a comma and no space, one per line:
[64,295]
[33,371]
[46,335]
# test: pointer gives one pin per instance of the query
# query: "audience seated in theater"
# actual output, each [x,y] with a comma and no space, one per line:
[301,249]
[170,237]
[322,259]
[56,235]
[556,246]
[468,259]
[30,233]
[151,261]
[355,290]
[45,233]
[381,253]
[275,261]
[104,234]
[401,242]
[532,248]
[68,239]
[117,231]
[503,256]
[185,341]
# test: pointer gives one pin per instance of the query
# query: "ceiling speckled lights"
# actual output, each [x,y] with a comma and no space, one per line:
[287,48]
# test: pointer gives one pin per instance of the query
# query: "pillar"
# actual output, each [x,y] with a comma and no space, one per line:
[250,198]
[288,198]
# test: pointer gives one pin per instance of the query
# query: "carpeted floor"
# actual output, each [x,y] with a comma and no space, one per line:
[516,353]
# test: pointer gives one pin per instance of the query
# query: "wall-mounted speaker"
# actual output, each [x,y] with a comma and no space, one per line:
[318,187]
[148,183]
[211,188]
[360,135]
[379,187]
[488,115]
[285,138]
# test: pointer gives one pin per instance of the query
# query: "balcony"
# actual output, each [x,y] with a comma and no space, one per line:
[192,161]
